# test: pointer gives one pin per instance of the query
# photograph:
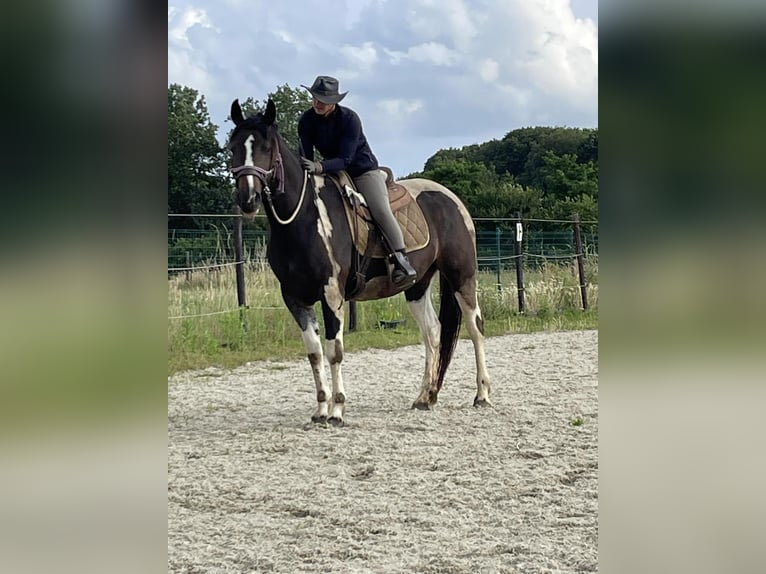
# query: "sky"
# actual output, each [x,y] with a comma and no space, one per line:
[423,75]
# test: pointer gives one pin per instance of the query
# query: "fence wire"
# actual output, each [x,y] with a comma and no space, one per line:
[211,245]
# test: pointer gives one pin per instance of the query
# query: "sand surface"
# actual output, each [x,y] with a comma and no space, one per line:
[254,486]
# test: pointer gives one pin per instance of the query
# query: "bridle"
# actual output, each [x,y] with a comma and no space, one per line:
[265,176]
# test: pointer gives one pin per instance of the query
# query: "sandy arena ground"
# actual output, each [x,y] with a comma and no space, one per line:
[254,486]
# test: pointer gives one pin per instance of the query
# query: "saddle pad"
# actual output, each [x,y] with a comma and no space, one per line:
[407,213]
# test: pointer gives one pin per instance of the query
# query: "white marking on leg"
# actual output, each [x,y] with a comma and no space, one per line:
[314,349]
[430,330]
[333,297]
[334,348]
[472,316]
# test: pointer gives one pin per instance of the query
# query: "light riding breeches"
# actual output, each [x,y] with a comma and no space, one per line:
[372,186]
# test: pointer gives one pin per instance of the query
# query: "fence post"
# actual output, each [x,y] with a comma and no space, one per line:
[580,266]
[519,266]
[239,255]
[188,266]
[498,231]
[352,316]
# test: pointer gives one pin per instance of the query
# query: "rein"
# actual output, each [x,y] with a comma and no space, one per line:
[289,220]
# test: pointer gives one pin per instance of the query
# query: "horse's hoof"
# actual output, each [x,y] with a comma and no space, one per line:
[477,402]
[421,406]
[318,420]
[336,422]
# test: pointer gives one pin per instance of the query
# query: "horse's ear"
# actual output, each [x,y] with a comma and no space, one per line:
[271,112]
[236,113]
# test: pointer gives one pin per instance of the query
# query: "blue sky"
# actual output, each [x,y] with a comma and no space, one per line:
[422,74]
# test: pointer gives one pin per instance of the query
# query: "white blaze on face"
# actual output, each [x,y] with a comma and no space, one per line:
[249,160]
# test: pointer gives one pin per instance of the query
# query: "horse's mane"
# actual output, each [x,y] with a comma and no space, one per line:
[256,123]
[251,123]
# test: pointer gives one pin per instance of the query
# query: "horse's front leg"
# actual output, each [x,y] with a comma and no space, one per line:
[333,324]
[307,321]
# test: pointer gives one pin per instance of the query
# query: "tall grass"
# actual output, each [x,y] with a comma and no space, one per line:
[200,336]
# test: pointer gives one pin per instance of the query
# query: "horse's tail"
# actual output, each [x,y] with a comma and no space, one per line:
[449,317]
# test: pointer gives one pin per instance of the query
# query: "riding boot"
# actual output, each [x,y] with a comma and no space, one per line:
[403,273]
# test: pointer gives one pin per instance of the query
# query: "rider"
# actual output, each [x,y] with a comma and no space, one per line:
[336,132]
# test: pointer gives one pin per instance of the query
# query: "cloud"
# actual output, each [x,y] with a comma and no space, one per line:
[418,72]
[488,70]
[399,109]
[181,20]
[185,68]
[359,59]
[433,53]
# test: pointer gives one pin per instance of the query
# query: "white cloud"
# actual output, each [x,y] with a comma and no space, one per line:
[433,53]
[425,53]
[488,70]
[180,21]
[452,20]
[186,69]
[361,57]
[561,58]
[398,108]
[489,66]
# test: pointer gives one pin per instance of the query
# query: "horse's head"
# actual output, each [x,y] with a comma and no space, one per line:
[256,162]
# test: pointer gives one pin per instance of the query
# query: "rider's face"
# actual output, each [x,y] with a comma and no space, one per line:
[320,108]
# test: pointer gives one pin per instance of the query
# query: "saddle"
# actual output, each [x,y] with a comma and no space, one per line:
[366,237]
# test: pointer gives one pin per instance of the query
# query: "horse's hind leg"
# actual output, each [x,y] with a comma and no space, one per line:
[430,329]
[307,321]
[467,298]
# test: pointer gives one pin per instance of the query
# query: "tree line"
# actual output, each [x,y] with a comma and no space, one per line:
[542,172]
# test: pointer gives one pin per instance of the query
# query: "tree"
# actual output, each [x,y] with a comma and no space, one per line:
[563,177]
[197,178]
[290,103]
[483,192]
[545,172]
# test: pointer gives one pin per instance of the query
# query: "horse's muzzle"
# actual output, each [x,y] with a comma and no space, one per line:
[248,200]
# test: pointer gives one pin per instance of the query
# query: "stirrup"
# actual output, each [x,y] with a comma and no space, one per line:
[402,273]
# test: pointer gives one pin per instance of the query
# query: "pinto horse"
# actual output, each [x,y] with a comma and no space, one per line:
[311,252]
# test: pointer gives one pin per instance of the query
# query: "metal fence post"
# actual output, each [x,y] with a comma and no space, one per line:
[580,265]
[352,316]
[498,232]
[519,265]
[239,255]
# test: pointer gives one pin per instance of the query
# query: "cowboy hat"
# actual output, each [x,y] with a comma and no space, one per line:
[325,89]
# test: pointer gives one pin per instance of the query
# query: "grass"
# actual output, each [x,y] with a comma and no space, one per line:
[266,330]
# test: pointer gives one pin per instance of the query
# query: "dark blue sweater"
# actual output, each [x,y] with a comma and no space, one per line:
[340,140]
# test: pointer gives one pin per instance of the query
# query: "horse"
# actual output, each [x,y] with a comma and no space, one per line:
[311,252]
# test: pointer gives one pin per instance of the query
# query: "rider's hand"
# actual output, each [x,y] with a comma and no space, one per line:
[311,166]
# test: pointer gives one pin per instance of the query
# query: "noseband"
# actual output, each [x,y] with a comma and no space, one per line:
[265,176]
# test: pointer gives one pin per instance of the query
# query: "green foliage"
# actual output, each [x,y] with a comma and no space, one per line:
[543,172]
[563,176]
[484,192]
[197,178]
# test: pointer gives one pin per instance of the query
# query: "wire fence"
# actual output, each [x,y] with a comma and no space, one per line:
[212,244]
[502,244]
